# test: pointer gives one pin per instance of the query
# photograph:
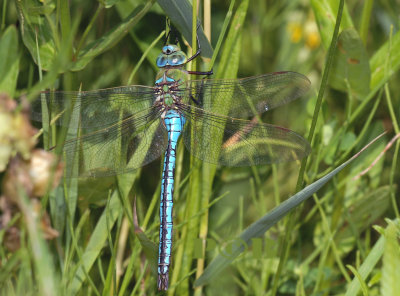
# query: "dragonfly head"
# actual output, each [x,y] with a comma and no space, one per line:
[171,56]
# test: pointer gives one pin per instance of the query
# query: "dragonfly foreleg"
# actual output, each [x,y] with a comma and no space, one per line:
[201,73]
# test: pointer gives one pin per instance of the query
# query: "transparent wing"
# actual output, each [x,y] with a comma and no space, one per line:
[248,96]
[98,108]
[124,146]
[235,142]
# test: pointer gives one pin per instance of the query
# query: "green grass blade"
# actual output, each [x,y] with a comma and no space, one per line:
[65,19]
[390,280]
[108,40]
[360,280]
[366,267]
[325,13]
[388,54]
[9,61]
[33,24]
[259,227]
[109,3]
[96,242]
[47,281]
[365,19]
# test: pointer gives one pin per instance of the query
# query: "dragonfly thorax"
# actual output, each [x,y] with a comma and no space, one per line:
[168,100]
[166,94]
[171,56]
[167,87]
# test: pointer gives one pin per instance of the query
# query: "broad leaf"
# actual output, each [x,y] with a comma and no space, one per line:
[350,69]
[180,13]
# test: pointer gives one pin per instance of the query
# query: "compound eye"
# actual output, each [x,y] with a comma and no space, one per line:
[161,61]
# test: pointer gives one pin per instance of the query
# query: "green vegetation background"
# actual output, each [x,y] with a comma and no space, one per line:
[343,242]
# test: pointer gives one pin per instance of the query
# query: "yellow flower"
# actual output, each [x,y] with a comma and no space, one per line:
[313,40]
[296,32]
[311,33]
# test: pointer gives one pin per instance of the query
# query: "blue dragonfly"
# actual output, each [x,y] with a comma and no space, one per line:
[121,129]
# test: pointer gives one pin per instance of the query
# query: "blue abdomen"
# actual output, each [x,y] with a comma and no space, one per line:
[174,123]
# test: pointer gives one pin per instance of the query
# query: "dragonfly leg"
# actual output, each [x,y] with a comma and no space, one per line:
[193,57]
[194,100]
[200,72]
[197,53]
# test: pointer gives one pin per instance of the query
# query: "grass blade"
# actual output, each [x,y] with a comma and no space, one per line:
[259,227]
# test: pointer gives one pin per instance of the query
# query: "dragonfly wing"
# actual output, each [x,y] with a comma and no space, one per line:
[119,148]
[91,109]
[235,142]
[241,98]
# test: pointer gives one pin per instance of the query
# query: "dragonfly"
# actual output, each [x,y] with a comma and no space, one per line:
[124,128]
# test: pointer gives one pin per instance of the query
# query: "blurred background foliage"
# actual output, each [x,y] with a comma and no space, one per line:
[96,244]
